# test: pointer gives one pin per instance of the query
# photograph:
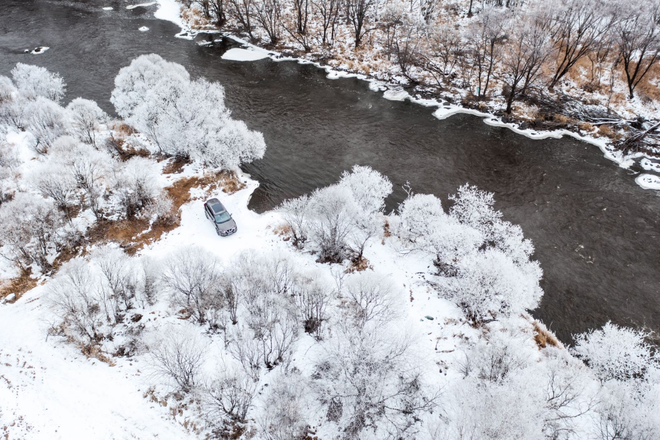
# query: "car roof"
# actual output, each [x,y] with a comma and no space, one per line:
[215,205]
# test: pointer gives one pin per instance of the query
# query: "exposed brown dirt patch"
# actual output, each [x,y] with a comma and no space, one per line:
[19,285]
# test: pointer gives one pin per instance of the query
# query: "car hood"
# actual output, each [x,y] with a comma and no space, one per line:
[231,224]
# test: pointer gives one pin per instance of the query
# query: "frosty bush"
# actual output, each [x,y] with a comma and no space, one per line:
[368,382]
[495,360]
[193,278]
[339,220]
[76,302]
[31,232]
[9,161]
[136,187]
[178,355]
[485,261]
[371,297]
[183,117]
[88,167]
[229,396]
[286,409]
[34,82]
[86,117]
[46,121]
[489,285]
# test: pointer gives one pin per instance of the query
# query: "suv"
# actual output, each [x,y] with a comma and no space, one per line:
[224,224]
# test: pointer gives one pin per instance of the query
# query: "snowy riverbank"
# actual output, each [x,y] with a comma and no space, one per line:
[170,10]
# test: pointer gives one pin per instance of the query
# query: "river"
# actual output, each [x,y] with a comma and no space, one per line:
[595,231]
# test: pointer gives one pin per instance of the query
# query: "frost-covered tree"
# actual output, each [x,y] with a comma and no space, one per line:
[33,82]
[333,216]
[489,285]
[578,28]
[268,13]
[264,286]
[369,385]
[637,36]
[182,117]
[136,187]
[423,226]
[339,220]
[53,180]
[145,74]
[372,297]
[31,232]
[89,168]
[358,14]
[119,282]
[233,144]
[627,410]
[312,293]
[72,174]
[295,213]
[529,46]
[9,161]
[491,410]
[615,352]
[10,110]
[287,408]
[474,207]
[86,117]
[486,38]
[420,216]
[46,121]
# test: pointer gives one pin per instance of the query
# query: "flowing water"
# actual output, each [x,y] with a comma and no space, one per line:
[596,232]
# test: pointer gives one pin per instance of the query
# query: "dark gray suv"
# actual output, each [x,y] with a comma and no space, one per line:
[224,224]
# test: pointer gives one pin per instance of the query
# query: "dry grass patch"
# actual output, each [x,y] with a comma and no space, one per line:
[283,231]
[359,265]
[120,133]
[93,351]
[543,337]
[648,88]
[175,166]
[18,286]
[608,131]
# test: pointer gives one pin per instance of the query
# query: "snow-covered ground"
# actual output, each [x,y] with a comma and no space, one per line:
[648,181]
[49,390]
[170,10]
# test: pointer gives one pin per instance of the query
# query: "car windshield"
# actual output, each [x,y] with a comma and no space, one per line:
[222,217]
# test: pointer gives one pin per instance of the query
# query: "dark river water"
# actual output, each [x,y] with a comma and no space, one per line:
[595,231]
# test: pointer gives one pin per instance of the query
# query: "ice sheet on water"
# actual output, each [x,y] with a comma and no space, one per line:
[244,55]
